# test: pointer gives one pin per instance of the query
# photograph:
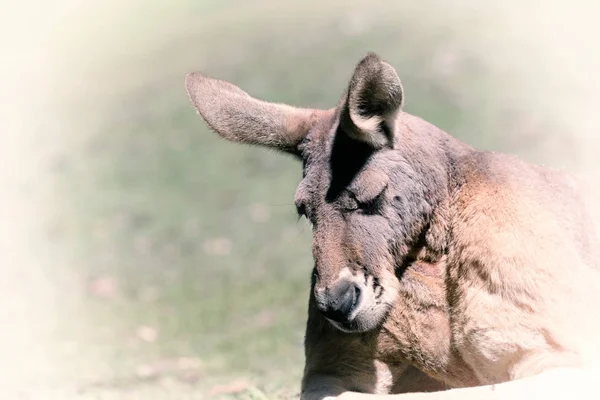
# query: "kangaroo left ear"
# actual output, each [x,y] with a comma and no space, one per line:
[239,117]
[374,99]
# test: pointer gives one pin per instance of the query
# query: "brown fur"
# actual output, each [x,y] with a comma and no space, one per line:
[473,268]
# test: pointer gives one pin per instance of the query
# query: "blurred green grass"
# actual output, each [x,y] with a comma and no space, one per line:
[180,244]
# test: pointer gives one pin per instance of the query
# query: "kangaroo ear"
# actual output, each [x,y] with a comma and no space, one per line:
[238,117]
[373,101]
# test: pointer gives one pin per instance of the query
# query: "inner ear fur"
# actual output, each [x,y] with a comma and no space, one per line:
[372,102]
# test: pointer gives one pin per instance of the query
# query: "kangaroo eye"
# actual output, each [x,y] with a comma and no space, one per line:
[367,206]
[349,203]
[374,205]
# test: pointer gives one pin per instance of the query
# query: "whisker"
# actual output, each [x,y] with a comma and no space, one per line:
[306,225]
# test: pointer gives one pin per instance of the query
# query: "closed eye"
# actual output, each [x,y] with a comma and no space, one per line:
[372,206]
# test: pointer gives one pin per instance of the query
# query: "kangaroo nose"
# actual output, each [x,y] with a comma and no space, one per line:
[340,301]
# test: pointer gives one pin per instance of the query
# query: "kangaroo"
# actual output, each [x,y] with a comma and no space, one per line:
[441,271]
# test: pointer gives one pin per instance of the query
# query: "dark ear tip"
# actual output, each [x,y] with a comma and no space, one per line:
[371,55]
[370,59]
[373,65]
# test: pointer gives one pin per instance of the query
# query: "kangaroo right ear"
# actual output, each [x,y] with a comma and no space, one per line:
[238,117]
[373,101]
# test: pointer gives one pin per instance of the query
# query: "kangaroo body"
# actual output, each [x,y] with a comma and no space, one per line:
[440,271]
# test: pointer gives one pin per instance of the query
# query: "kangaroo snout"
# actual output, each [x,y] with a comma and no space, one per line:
[337,302]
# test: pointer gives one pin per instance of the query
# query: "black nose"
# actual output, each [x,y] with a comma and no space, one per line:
[340,301]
